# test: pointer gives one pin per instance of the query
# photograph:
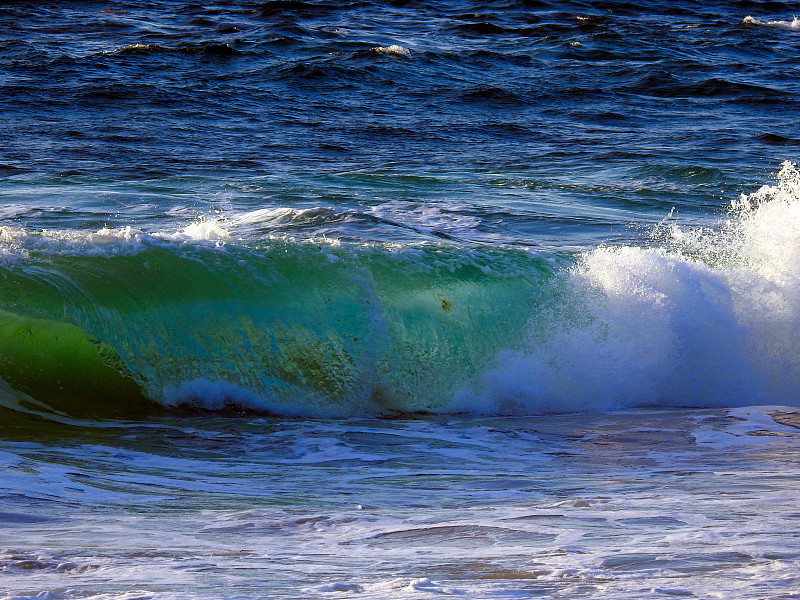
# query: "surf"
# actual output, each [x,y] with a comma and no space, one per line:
[283,326]
[697,317]
[123,320]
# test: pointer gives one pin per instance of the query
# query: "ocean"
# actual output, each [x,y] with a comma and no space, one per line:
[307,299]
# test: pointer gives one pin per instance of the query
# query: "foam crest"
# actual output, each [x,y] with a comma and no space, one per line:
[275,219]
[768,225]
[393,50]
[18,244]
[707,318]
[133,48]
[204,230]
[793,25]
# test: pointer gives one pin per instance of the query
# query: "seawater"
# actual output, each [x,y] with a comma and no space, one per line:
[308,299]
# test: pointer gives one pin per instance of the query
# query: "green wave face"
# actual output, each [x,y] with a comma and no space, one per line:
[64,366]
[294,328]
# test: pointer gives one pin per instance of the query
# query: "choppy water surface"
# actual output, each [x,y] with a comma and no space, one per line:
[696,504]
[546,123]
[308,299]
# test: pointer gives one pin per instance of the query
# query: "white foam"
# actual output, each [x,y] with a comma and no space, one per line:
[104,242]
[204,230]
[393,50]
[793,25]
[138,47]
[267,216]
[340,587]
[39,596]
[17,244]
[709,318]
[397,587]
[72,594]
[280,217]
[13,211]
[748,429]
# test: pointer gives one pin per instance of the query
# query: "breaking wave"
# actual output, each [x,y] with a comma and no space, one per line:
[119,321]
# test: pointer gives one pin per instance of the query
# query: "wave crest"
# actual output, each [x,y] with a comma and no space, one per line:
[705,318]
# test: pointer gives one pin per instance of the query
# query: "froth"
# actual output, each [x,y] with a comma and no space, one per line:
[393,50]
[705,318]
[17,244]
[793,25]
[768,226]
[207,230]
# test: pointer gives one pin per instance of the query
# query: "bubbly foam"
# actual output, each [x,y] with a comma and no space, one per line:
[250,224]
[707,318]
[204,230]
[793,25]
[393,50]
[18,244]
[138,47]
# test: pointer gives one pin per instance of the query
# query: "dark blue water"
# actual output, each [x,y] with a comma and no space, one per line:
[524,123]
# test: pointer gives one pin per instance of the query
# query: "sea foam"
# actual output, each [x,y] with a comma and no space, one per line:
[18,244]
[793,25]
[393,50]
[701,318]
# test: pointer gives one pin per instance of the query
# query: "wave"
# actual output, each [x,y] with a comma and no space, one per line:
[297,328]
[667,85]
[775,139]
[392,50]
[121,322]
[793,25]
[207,48]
